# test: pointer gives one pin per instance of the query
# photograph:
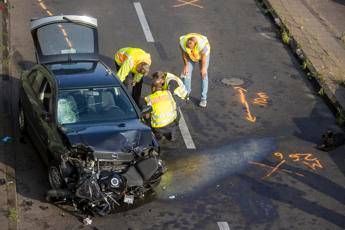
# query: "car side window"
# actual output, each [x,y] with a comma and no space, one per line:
[45,94]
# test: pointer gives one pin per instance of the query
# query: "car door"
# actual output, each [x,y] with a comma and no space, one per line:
[27,95]
[48,136]
[40,87]
[30,103]
[65,38]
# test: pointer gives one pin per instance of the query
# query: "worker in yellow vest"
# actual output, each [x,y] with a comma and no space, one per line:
[135,62]
[195,49]
[164,115]
[166,78]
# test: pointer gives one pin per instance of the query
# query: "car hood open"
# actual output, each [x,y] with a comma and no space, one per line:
[107,139]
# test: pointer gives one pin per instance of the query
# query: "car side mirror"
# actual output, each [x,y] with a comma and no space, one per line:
[146,110]
[46,116]
[25,73]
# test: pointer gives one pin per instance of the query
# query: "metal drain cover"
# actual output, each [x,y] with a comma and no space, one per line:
[232,81]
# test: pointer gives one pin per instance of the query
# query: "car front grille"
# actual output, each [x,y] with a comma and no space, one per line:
[111,165]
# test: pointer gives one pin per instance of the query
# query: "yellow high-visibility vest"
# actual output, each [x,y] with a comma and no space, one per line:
[202,42]
[135,56]
[181,90]
[163,108]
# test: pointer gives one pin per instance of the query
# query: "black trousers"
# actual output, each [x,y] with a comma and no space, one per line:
[169,131]
[136,90]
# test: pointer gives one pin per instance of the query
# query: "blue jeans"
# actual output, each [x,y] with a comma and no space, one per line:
[204,82]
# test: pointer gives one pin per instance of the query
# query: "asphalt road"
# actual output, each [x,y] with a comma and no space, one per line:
[227,181]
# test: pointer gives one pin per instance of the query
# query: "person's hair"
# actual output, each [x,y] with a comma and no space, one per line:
[157,84]
[144,66]
[158,75]
[192,39]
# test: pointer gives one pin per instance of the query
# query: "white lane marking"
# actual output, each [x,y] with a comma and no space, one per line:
[185,132]
[223,225]
[187,138]
[143,22]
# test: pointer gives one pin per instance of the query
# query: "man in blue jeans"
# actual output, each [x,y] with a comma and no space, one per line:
[195,49]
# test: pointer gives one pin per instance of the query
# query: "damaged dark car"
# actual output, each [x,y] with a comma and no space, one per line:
[83,122]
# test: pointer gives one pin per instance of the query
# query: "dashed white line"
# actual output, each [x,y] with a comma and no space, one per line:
[185,132]
[143,22]
[223,225]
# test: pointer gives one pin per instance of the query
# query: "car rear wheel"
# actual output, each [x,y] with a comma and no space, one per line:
[21,121]
[55,178]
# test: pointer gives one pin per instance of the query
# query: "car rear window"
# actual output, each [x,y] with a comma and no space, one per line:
[94,105]
[65,38]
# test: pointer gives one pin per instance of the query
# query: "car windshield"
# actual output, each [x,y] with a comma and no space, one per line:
[94,105]
[65,38]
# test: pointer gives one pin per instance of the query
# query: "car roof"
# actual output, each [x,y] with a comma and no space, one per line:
[82,75]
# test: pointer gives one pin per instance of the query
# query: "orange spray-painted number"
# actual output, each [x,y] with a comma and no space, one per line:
[307,159]
[261,99]
[249,116]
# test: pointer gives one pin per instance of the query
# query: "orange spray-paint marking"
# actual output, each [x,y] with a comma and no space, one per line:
[271,168]
[274,169]
[279,155]
[261,100]
[189,2]
[249,116]
[306,159]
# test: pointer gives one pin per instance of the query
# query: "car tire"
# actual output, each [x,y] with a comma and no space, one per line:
[22,121]
[54,175]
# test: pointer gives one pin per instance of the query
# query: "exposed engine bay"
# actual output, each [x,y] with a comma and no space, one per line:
[95,183]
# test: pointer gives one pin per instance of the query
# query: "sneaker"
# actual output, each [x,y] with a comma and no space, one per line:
[203,103]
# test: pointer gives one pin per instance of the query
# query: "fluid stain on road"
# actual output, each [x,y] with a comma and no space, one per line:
[192,172]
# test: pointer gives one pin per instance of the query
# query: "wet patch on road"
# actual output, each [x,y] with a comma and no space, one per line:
[215,163]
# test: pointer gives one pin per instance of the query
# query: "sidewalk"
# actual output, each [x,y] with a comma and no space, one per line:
[3,189]
[8,202]
[315,29]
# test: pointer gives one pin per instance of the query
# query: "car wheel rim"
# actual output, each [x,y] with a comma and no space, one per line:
[21,120]
[55,180]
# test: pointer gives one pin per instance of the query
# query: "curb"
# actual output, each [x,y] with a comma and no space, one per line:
[9,149]
[327,86]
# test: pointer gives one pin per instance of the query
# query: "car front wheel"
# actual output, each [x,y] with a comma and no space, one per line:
[55,178]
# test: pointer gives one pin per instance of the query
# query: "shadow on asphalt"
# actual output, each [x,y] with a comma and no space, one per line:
[30,172]
[338,156]
[294,197]
[313,125]
[319,183]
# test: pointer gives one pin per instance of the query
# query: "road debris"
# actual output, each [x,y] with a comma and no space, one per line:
[6,139]
[171,197]
[87,221]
